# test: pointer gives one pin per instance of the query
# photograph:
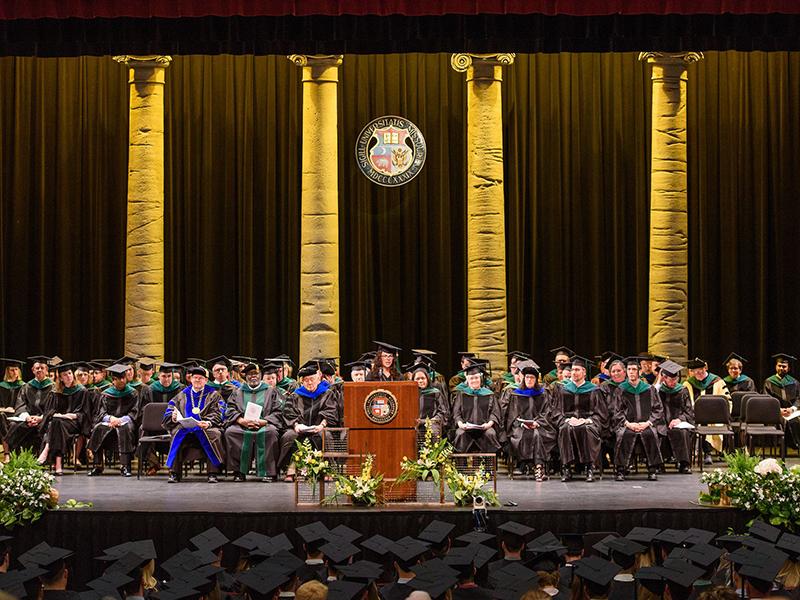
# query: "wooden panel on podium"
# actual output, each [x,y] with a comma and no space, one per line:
[390,441]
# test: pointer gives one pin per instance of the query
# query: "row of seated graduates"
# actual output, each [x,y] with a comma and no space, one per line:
[514,562]
[378,365]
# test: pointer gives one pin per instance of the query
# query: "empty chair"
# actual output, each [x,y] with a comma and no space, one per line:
[763,420]
[152,432]
[712,417]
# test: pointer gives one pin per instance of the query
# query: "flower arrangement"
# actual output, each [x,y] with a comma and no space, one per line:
[310,462]
[466,487]
[765,487]
[433,457]
[361,488]
[26,490]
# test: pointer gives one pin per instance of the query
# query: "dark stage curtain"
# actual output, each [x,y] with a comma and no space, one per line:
[577,162]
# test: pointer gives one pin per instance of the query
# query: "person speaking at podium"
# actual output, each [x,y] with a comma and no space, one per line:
[476,413]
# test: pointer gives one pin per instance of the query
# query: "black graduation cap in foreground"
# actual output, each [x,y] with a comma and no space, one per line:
[784,358]
[596,570]
[764,531]
[643,535]
[13,582]
[211,539]
[436,532]
[11,362]
[142,548]
[475,537]
[117,370]
[386,347]
[361,570]
[344,590]
[681,572]
[378,544]
[339,551]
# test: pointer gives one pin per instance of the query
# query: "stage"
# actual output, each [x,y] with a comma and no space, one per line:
[127,509]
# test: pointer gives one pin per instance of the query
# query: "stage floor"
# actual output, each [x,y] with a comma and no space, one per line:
[111,492]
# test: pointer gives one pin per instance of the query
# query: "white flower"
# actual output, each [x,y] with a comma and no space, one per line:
[768,465]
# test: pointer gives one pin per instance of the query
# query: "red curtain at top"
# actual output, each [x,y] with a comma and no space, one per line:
[88,9]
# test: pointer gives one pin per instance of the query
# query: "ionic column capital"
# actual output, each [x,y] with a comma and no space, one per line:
[318,68]
[145,69]
[482,67]
[670,65]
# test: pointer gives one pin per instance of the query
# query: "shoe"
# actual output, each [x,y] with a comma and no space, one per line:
[152,471]
[237,477]
[268,479]
[538,473]
[707,460]
[125,471]
[173,477]
[620,476]
[58,473]
[566,474]
[95,471]
[212,478]
[684,469]
[652,476]
[589,474]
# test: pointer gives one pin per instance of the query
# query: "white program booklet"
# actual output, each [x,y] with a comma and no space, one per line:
[252,412]
[469,425]
[684,425]
[188,422]
[303,428]
[793,415]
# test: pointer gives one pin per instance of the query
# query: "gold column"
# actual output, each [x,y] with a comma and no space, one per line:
[486,248]
[319,228]
[144,257]
[668,326]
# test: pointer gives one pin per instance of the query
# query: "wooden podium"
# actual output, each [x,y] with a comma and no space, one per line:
[389,441]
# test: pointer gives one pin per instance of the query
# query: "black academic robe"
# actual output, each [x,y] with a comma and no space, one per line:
[637,406]
[745,385]
[677,405]
[312,572]
[306,408]
[530,444]
[30,401]
[58,431]
[433,406]
[203,406]
[469,407]
[242,444]
[122,405]
[579,444]
[8,399]
[786,390]
[502,403]
[145,397]
[161,394]
[379,375]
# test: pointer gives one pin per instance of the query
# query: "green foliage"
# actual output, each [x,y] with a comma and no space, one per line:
[361,489]
[466,487]
[433,457]
[26,490]
[310,462]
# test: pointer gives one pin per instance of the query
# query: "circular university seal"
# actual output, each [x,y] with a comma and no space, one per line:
[380,406]
[390,151]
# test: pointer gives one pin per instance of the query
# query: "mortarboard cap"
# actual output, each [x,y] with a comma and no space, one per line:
[263,583]
[344,590]
[763,571]
[197,370]
[601,546]
[790,544]
[357,365]
[674,537]
[251,540]
[549,543]
[435,587]
[436,532]
[734,356]
[313,532]
[730,542]
[764,531]
[40,359]
[698,536]
[680,572]
[671,368]
[127,564]
[512,572]
[148,364]
[308,368]
[702,554]
[378,544]
[361,570]
[475,537]
[528,367]
[562,350]
[696,363]
[126,360]
[466,354]
[168,367]
[783,358]
[596,570]
[142,548]
[513,528]
[117,370]
[11,362]
[219,360]
[211,539]
[518,354]
[581,361]
[408,549]
[643,535]
[651,579]
[391,349]
[339,551]
[625,546]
